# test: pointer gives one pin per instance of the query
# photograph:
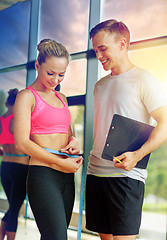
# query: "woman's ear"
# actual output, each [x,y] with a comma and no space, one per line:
[37,65]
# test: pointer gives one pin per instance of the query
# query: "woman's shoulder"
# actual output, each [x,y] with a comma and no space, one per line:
[25,93]
[25,96]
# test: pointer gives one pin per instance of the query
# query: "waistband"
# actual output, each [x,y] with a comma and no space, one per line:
[60,153]
[14,155]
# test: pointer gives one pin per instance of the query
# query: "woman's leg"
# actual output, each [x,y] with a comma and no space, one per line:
[17,174]
[6,183]
[2,230]
[45,192]
[18,194]
[10,235]
[68,198]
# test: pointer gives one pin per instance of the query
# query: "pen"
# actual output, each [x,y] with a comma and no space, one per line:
[117,159]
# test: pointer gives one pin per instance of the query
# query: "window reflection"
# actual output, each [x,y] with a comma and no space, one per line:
[9,80]
[15,79]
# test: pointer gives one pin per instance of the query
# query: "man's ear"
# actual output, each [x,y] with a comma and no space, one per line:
[123,43]
[37,65]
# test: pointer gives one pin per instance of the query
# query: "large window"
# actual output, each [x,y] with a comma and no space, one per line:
[67,22]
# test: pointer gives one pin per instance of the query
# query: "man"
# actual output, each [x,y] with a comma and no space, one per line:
[114,190]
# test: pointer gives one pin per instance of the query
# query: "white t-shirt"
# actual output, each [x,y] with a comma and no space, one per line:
[132,94]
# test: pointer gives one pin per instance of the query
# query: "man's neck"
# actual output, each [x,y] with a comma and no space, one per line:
[122,68]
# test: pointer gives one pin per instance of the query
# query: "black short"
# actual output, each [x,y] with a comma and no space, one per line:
[114,205]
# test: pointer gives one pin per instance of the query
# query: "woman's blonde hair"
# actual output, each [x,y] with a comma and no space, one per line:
[49,48]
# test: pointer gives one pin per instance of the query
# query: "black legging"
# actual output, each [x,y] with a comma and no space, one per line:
[13,178]
[51,196]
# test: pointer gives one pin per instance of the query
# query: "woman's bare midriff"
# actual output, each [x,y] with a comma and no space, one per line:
[11,149]
[52,141]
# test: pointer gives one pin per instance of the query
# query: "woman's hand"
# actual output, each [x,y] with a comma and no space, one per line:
[72,147]
[1,152]
[69,164]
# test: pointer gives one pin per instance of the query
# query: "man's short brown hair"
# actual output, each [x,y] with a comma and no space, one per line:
[119,29]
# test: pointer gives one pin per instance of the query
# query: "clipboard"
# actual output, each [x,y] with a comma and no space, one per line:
[126,135]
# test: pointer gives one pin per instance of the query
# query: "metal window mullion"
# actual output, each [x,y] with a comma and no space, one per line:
[33,39]
[92,76]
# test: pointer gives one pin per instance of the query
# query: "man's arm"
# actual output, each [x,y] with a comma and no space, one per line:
[156,139]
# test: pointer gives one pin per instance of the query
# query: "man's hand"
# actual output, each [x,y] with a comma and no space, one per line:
[128,160]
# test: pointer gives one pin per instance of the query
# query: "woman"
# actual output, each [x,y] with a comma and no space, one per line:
[14,168]
[44,127]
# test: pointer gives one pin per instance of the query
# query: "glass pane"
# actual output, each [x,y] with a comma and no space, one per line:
[154,216]
[66,22]
[77,123]
[14,34]
[145,19]
[77,113]
[74,82]
[16,79]
[153,59]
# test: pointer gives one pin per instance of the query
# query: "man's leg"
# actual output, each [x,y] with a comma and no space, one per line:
[11,235]
[105,236]
[111,237]
[131,237]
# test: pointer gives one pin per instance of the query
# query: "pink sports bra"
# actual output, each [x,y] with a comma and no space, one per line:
[6,137]
[46,119]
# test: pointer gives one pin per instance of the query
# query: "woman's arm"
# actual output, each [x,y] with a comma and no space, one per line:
[1,149]
[73,144]
[24,105]
[1,152]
